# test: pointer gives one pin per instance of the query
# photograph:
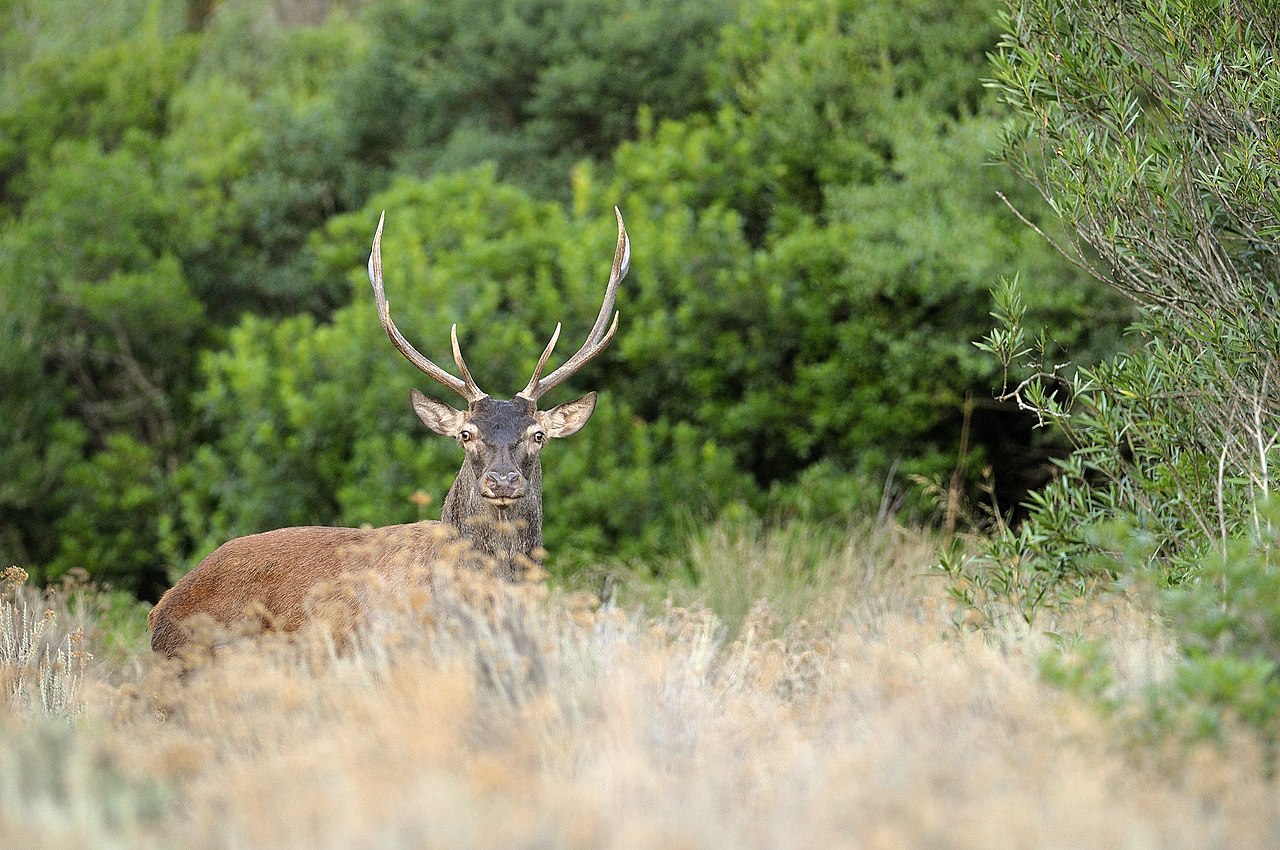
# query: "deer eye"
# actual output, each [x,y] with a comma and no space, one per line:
[466,436]
[539,437]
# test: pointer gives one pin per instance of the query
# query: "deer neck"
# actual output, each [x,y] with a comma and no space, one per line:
[510,536]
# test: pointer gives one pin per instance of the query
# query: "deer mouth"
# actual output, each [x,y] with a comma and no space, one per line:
[501,498]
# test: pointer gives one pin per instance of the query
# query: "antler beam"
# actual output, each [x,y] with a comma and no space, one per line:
[599,337]
[466,387]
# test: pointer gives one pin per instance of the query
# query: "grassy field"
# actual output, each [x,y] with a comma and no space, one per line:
[812,691]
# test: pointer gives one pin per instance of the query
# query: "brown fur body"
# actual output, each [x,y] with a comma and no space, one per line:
[272,575]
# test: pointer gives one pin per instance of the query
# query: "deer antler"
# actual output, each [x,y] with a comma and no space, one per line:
[467,386]
[599,336]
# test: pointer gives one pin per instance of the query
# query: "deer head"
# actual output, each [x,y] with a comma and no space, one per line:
[496,500]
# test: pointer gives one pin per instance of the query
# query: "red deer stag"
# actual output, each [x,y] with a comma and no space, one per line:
[494,505]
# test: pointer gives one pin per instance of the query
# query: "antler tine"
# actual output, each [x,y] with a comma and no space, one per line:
[532,386]
[473,392]
[601,332]
[467,389]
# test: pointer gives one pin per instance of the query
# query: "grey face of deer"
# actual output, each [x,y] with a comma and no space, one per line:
[503,440]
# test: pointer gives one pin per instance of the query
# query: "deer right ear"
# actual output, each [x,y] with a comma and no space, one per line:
[565,420]
[437,415]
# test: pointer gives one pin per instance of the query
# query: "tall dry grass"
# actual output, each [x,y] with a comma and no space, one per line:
[495,718]
[42,646]
[808,572]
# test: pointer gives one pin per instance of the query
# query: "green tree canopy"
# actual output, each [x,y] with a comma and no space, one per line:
[531,85]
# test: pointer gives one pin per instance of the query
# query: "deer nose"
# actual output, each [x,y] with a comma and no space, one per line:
[503,484]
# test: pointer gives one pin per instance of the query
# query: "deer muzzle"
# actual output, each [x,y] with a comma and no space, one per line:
[503,485]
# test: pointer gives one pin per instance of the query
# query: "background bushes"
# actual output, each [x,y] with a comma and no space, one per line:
[189,192]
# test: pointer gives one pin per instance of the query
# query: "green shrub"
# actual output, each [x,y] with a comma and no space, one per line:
[823,245]
[1225,615]
[1157,175]
[1148,128]
[104,93]
[531,85]
[148,187]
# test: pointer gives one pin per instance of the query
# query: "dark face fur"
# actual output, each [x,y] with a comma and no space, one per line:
[502,441]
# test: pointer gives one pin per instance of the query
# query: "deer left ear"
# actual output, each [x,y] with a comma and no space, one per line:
[567,419]
[437,415]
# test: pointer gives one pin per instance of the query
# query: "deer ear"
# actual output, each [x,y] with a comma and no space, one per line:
[437,415]
[567,419]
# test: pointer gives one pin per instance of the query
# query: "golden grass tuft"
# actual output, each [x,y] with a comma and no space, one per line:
[848,711]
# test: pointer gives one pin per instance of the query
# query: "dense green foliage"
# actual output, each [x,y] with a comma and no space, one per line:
[835,253]
[531,85]
[188,349]
[1151,129]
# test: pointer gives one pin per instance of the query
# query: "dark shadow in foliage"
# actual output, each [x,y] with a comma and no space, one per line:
[532,85]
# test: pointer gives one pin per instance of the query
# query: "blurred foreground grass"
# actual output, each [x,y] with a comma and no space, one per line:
[810,690]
